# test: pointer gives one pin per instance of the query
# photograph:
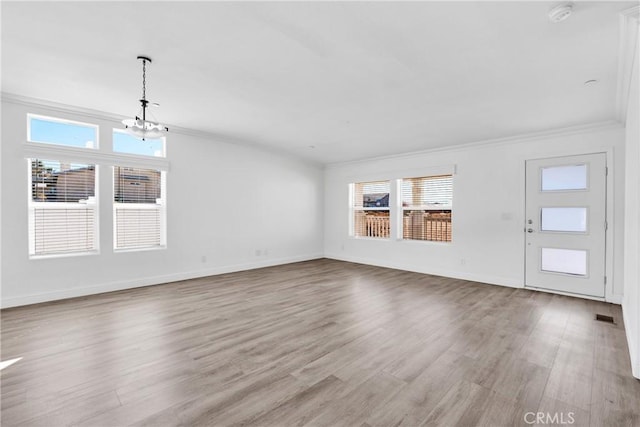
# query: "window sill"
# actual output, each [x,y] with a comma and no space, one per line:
[422,242]
[375,239]
[149,249]
[64,255]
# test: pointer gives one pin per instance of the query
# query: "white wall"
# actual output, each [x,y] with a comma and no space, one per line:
[488,213]
[631,301]
[224,203]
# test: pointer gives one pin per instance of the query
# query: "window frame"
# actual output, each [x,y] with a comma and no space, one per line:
[101,156]
[31,116]
[33,205]
[426,207]
[162,208]
[396,211]
[353,209]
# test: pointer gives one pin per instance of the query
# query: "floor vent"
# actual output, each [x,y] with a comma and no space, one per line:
[605,318]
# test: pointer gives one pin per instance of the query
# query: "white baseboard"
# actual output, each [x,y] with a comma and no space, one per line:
[492,280]
[147,281]
[633,345]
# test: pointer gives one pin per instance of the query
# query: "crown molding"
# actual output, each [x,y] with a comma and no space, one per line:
[489,143]
[100,115]
[117,118]
[59,107]
[627,51]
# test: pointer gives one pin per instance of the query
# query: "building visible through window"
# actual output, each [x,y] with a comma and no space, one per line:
[427,204]
[62,208]
[371,209]
[138,206]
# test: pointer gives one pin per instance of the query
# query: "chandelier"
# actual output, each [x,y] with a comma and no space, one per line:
[140,127]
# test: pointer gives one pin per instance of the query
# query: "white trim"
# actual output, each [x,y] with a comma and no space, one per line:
[632,344]
[173,129]
[480,278]
[497,142]
[49,151]
[373,239]
[393,174]
[147,281]
[609,296]
[568,294]
[629,20]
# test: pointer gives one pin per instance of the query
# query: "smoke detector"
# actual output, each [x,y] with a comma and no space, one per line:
[561,12]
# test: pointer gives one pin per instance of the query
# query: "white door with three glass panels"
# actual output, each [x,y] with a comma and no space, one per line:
[566,224]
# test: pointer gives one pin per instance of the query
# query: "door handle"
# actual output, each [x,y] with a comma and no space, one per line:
[529,230]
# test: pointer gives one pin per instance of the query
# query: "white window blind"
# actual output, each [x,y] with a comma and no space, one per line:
[138,208]
[371,209]
[62,208]
[427,206]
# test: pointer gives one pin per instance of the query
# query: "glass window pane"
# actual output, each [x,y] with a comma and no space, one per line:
[569,261]
[371,194]
[134,185]
[564,219]
[62,133]
[429,192]
[573,177]
[62,208]
[138,203]
[371,209]
[125,143]
[55,181]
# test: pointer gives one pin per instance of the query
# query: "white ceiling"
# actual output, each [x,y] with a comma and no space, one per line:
[352,79]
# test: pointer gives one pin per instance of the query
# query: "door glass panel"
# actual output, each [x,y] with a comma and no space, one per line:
[573,177]
[563,219]
[569,261]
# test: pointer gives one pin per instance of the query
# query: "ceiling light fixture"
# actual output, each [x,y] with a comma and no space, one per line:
[561,12]
[140,127]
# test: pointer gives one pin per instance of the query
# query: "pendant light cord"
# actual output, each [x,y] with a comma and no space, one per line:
[144,79]
[144,90]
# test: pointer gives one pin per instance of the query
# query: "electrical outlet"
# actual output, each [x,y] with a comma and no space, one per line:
[203,259]
[258,252]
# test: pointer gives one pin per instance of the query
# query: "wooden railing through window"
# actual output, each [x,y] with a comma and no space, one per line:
[416,225]
[435,227]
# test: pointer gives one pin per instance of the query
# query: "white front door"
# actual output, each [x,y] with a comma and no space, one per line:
[566,224]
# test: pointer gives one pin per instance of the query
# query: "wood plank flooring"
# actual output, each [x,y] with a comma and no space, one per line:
[318,343]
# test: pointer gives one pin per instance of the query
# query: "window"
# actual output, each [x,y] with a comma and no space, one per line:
[371,209]
[125,143]
[426,208]
[62,208]
[61,132]
[138,208]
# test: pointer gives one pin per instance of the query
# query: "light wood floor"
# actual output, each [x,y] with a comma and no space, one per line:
[317,343]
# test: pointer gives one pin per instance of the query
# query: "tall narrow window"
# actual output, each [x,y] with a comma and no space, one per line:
[426,208]
[62,208]
[138,208]
[371,209]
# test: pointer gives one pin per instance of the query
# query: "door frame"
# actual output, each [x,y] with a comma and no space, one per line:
[609,269]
